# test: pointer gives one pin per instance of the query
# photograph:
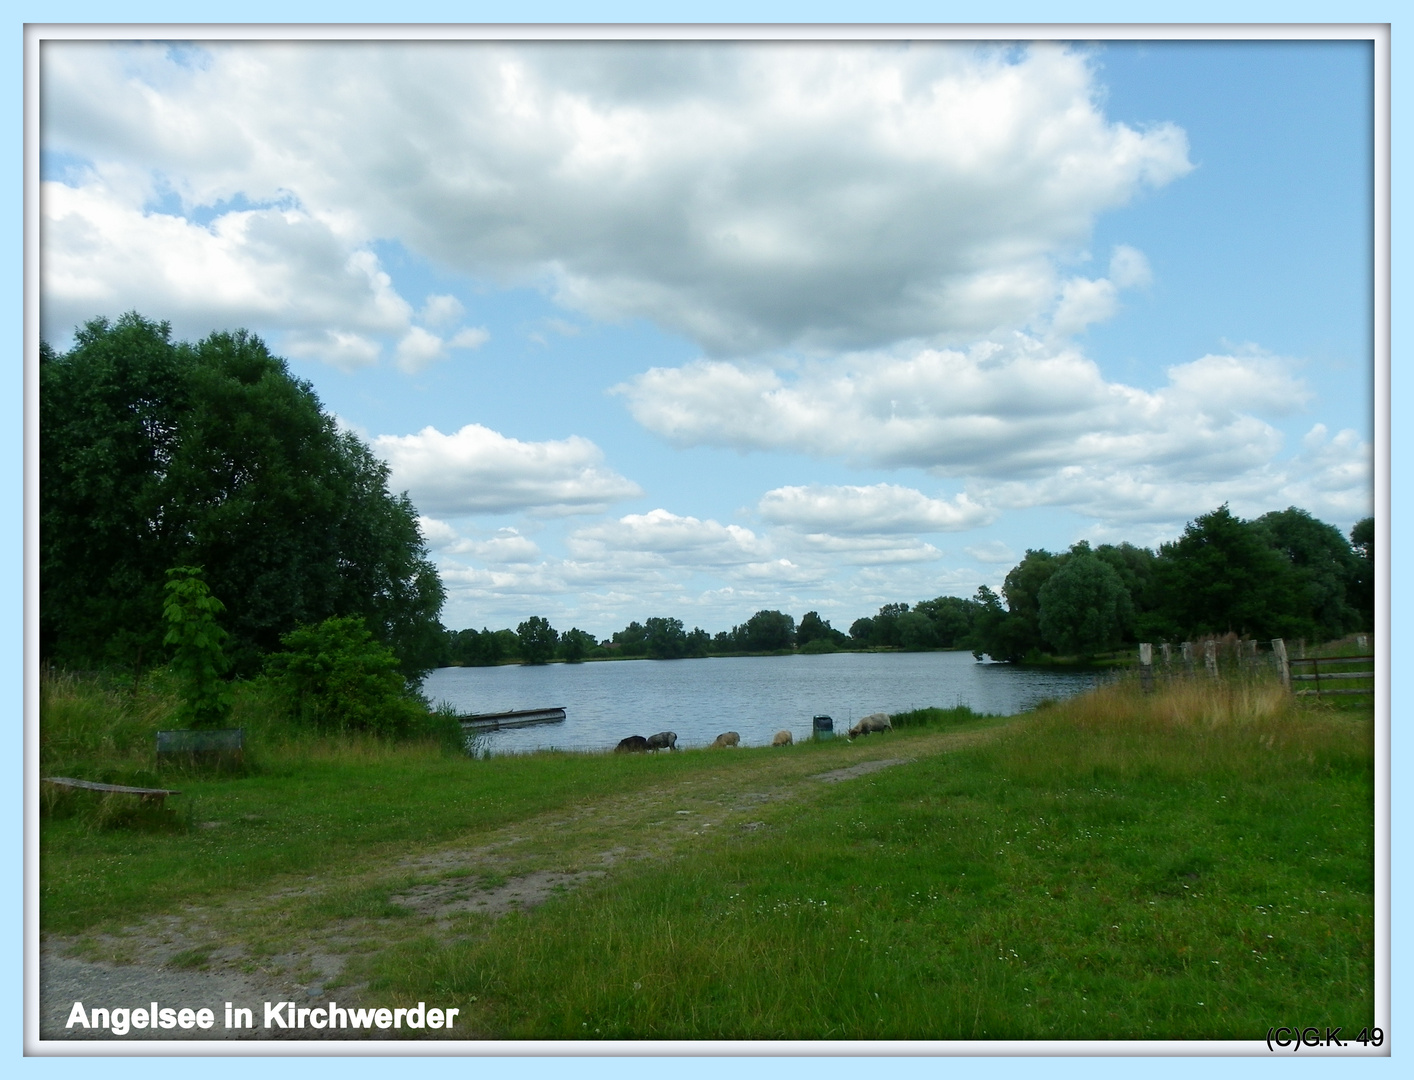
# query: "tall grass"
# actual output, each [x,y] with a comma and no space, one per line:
[96,727]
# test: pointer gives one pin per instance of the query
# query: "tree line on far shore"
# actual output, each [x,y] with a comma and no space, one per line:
[1284,574]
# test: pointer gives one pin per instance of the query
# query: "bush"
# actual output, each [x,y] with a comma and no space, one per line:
[190,613]
[819,645]
[335,676]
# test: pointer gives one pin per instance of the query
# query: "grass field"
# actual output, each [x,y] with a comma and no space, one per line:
[1192,864]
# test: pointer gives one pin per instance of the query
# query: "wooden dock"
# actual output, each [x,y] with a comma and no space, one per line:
[555,714]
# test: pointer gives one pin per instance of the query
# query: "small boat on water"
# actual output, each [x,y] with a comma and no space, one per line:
[555,714]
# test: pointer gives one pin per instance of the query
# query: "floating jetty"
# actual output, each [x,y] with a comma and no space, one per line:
[555,714]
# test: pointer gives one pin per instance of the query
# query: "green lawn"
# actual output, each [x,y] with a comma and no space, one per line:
[1197,863]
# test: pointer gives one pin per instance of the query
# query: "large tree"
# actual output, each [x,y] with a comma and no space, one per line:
[155,453]
[1324,566]
[1084,606]
[1223,575]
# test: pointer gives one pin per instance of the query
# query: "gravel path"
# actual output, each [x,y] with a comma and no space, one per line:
[64,980]
[573,849]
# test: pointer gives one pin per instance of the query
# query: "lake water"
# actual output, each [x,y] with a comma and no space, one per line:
[753,695]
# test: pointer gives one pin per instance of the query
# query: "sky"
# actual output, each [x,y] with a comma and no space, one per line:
[695,329]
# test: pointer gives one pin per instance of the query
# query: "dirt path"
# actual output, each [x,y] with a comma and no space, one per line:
[309,940]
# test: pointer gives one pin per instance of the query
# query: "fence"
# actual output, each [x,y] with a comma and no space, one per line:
[1243,656]
[1333,673]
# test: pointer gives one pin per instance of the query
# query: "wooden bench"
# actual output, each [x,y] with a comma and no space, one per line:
[150,796]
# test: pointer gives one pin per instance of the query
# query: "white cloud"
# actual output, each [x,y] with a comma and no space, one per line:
[419,349]
[873,510]
[272,267]
[1129,268]
[750,196]
[480,471]
[1083,302]
[345,351]
[1024,423]
[993,551]
[470,337]
[866,550]
[441,310]
[1254,383]
[505,546]
[672,538]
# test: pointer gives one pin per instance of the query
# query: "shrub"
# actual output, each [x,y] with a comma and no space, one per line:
[190,612]
[336,676]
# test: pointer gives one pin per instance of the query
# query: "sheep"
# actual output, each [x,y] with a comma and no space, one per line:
[634,744]
[873,722]
[783,738]
[664,740]
[726,738]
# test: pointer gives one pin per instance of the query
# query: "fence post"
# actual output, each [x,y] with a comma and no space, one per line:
[1283,667]
[1188,656]
[1168,657]
[1362,641]
[1210,657]
[1146,666]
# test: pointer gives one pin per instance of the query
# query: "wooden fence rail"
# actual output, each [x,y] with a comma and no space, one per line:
[1319,671]
[1316,676]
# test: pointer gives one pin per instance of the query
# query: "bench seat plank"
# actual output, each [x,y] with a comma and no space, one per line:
[90,785]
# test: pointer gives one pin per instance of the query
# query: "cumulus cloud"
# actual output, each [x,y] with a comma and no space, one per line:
[272,267]
[748,195]
[672,538]
[441,310]
[1331,476]
[1129,268]
[993,551]
[1027,421]
[480,471]
[505,546]
[879,508]
[992,411]
[866,550]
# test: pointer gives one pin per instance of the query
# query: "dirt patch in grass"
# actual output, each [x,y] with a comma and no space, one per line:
[311,939]
[864,768]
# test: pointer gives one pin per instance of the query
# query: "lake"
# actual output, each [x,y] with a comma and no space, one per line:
[754,695]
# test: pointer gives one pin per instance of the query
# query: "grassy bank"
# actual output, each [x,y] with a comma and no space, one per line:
[1193,866]
[1196,863]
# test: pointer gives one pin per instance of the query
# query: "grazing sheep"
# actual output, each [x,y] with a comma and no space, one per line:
[634,744]
[783,738]
[726,738]
[873,722]
[664,740]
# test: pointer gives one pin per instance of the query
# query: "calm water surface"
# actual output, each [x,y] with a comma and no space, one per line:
[754,695]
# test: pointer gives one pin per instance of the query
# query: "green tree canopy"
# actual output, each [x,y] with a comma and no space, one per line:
[1084,606]
[768,631]
[156,453]
[952,618]
[812,628]
[537,640]
[1324,567]
[1223,575]
[575,645]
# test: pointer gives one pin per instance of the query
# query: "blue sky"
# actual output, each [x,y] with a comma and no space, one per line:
[702,330]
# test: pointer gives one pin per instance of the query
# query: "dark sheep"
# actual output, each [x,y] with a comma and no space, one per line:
[664,740]
[634,744]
